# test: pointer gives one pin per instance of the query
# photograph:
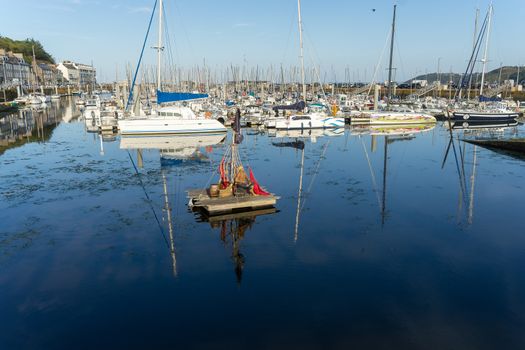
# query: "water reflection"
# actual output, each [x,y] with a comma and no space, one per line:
[233,228]
[169,218]
[381,254]
[34,123]
[465,155]
[391,134]
[297,139]
[174,150]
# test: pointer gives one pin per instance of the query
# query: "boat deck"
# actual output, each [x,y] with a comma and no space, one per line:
[199,198]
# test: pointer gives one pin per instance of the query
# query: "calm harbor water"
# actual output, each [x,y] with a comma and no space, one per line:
[388,245]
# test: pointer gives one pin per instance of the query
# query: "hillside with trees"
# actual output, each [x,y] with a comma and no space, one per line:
[26,48]
[497,75]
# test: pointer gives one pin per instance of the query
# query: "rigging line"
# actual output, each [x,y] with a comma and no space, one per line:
[149,200]
[317,73]
[462,155]
[398,52]
[316,171]
[463,192]
[473,57]
[312,61]
[130,96]
[169,41]
[167,44]
[374,183]
[192,52]
[379,62]
[398,164]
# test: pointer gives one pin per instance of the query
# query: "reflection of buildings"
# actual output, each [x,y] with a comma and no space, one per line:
[30,125]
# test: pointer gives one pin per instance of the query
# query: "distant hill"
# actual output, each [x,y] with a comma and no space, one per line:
[26,48]
[493,76]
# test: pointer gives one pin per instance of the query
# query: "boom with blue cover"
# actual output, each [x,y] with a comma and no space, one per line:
[164,97]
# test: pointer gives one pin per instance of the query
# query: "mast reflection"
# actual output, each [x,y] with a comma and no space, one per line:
[233,228]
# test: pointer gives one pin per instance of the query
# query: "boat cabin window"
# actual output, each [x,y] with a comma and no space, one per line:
[170,114]
[300,117]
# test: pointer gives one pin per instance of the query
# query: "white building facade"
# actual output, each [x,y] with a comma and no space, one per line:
[78,73]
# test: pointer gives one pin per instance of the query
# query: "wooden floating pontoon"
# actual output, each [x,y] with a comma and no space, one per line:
[242,215]
[201,199]
[514,145]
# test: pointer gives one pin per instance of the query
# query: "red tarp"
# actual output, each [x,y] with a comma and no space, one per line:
[256,188]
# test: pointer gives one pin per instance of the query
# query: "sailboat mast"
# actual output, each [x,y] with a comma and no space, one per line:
[159,44]
[296,232]
[391,56]
[486,52]
[301,47]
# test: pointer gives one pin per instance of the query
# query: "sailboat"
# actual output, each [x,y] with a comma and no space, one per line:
[390,117]
[172,119]
[315,120]
[489,116]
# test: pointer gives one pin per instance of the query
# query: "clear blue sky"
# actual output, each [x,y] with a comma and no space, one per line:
[339,34]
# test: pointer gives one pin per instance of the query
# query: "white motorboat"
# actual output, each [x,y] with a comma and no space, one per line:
[92,108]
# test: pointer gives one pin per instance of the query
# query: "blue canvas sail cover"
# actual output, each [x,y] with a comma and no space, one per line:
[164,97]
[299,106]
[489,99]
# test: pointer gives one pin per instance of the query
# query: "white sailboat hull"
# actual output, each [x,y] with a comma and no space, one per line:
[310,123]
[404,118]
[159,126]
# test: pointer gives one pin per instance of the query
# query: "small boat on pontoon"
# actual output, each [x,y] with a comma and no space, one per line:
[237,189]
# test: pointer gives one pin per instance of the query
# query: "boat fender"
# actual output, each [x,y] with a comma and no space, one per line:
[466,116]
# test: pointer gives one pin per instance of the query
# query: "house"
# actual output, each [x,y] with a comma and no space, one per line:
[45,74]
[14,69]
[69,72]
[77,73]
